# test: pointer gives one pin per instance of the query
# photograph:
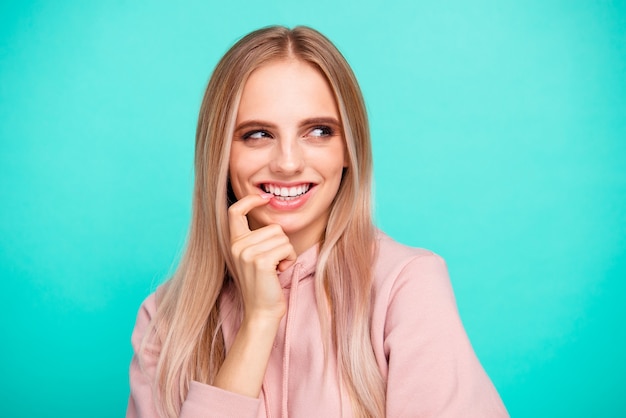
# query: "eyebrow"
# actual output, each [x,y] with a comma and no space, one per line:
[305,122]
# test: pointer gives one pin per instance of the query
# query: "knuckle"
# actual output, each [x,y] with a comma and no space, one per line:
[247,255]
[232,210]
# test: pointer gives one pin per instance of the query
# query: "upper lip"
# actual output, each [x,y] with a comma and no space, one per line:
[284,184]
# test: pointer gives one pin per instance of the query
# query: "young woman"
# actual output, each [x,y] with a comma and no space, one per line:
[288,301]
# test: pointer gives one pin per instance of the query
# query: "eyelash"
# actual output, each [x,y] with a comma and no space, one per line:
[248,135]
[328,131]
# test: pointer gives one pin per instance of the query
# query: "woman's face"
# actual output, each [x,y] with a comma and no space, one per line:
[288,141]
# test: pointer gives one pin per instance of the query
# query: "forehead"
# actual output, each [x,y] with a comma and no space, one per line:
[286,90]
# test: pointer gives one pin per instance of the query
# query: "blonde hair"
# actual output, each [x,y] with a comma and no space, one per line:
[187,320]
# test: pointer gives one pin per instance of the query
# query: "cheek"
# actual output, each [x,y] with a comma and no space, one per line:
[334,171]
[338,160]
[242,166]
[236,183]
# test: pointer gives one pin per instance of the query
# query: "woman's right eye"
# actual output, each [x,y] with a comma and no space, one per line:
[256,135]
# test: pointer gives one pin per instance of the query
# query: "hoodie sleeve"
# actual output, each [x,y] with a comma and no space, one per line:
[202,400]
[432,369]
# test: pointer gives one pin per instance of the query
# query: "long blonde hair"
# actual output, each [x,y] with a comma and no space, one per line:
[187,320]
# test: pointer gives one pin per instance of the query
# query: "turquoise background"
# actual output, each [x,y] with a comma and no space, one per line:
[499,133]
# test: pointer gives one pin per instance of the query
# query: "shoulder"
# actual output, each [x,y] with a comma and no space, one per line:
[393,259]
[150,304]
[400,268]
[147,312]
[389,249]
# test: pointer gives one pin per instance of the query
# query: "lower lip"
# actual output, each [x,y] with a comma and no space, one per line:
[291,204]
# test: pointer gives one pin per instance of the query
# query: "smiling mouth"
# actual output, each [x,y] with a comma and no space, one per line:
[286,193]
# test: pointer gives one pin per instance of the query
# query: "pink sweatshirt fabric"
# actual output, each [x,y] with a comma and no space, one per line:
[418,339]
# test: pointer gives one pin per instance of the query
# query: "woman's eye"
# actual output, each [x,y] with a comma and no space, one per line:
[256,135]
[322,131]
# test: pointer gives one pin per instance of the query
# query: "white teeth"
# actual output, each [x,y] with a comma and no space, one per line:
[294,191]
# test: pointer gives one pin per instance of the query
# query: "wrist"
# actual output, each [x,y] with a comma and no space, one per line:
[260,323]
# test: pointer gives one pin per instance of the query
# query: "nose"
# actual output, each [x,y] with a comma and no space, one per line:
[288,158]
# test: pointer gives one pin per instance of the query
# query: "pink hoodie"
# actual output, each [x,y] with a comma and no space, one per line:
[417,336]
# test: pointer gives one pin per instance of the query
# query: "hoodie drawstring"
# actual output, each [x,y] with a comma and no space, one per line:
[293,297]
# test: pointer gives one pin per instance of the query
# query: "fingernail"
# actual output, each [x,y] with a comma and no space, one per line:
[267,195]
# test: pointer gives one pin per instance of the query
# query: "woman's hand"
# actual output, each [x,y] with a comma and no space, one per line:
[258,255]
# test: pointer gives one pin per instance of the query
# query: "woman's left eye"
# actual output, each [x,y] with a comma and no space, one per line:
[321,131]
[260,134]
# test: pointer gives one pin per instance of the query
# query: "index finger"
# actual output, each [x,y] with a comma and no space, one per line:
[237,220]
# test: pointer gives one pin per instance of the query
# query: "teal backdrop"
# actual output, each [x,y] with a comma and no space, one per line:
[499,131]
